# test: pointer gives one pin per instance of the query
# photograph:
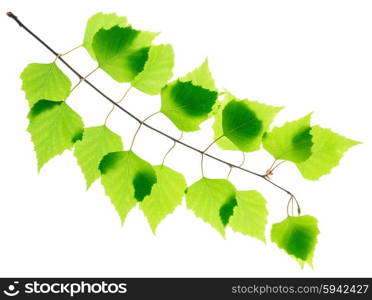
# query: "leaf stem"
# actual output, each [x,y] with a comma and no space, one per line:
[82,79]
[205,150]
[171,148]
[139,127]
[290,203]
[263,176]
[69,51]
[277,165]
[269,169]
[113,106]
[231,167]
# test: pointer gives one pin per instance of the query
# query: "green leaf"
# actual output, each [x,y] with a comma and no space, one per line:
[247,127]
[212,200]
[201,76]
[97,22]
[250,214]
[157,70]
[327,151]
[54,127]
[127,179]
[190,100]
[290,142]
[45,81]
[297,236]
[187,105]
[242,123]
[95,144]
[122,52]
[166,195]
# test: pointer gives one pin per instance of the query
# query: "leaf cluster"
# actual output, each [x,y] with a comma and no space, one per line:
[129,55]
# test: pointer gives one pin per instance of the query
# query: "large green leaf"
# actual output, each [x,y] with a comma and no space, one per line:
[95,144]
[187,105]
[157,70]
[242,123]
[127,179]
[54,127]
[250,214]
[122,52]
[327,151]
[297,236]
[45,81]
[166,195]
[290,142]
[191,99]
[201,76]
[212,200]
[97,22]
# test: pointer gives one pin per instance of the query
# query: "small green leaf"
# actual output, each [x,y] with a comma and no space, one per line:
[122,52]
[157,70]
[201,76]
[187,105]
[127,179]
[166,195]
[290,142]
[297,236]
[250,214]
[327,151]
[97,22]
[242,123]
[54,127]
[45,81]
[212,200]
[95,144]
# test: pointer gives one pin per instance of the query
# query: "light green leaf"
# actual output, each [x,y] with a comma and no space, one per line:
[242,123]
[290,142]
[327,151]
[127,179]
[212,200]
[95,144]
[157,70]
[187,105]
[166,195]
[297,236]
[97,22]
[250,214]
[45,81]
[122,52]
[201,76]
[54,127]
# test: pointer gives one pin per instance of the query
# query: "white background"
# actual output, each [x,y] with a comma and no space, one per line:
[305,55]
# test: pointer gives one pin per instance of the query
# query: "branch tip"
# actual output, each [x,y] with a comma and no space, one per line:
[14,17]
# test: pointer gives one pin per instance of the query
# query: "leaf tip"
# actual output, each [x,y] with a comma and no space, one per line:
[88,185]
[153,229]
